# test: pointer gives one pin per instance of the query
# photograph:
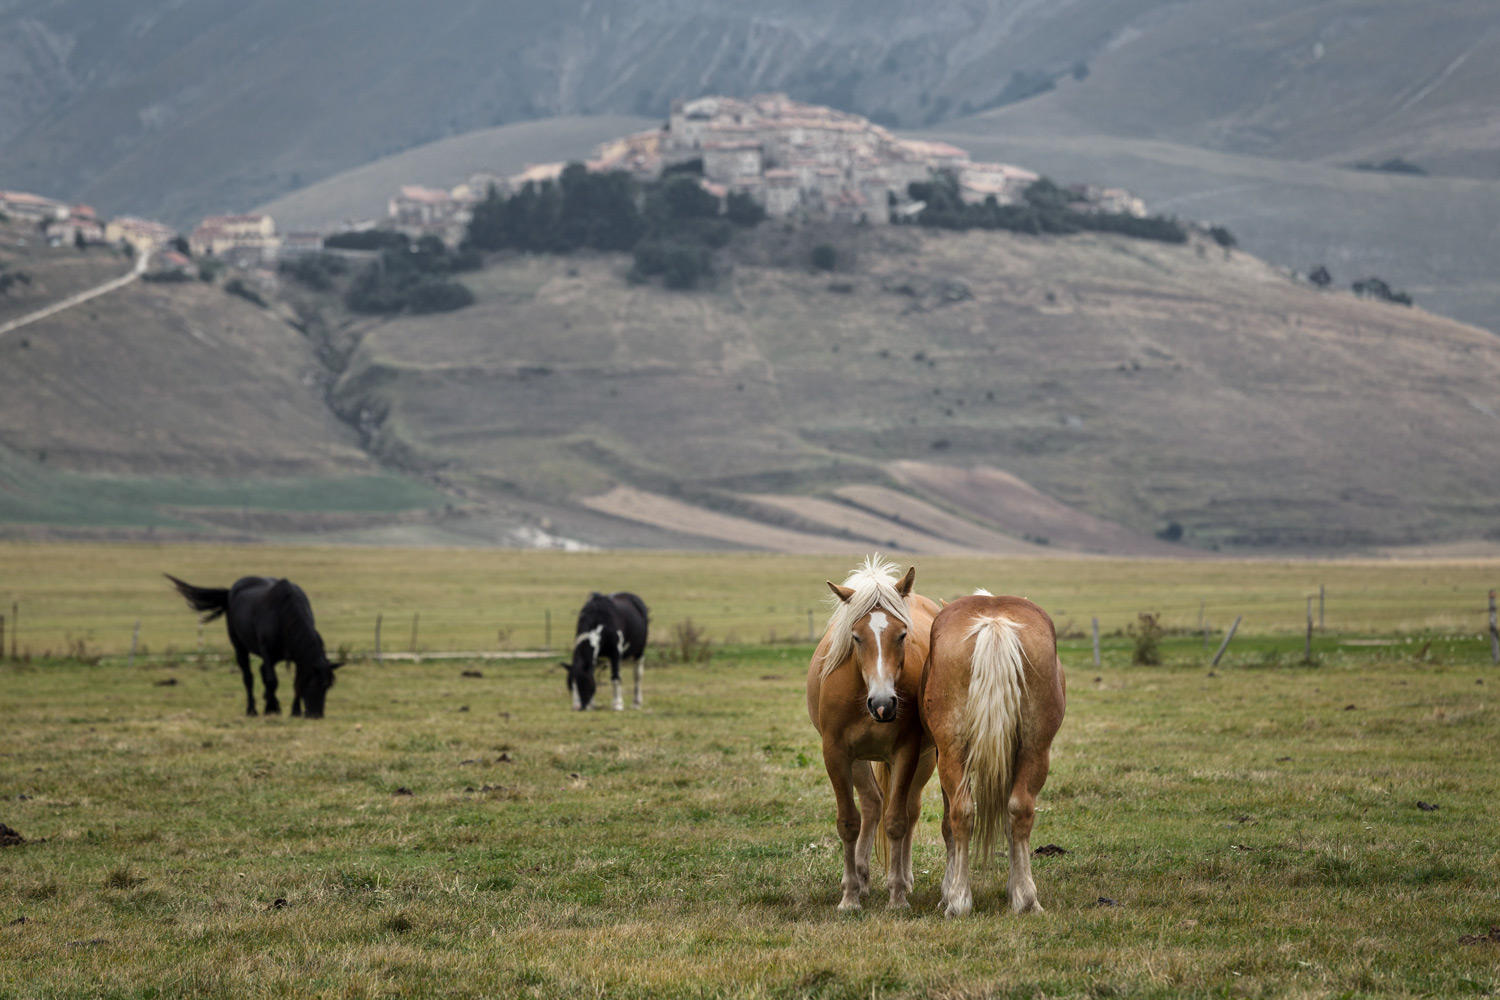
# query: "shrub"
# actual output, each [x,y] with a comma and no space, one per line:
[825,257]
[317,271]
[1223,237]
[432,296]
[684,266]
[1147,634]
[368,239]
[234,286]
[744,211]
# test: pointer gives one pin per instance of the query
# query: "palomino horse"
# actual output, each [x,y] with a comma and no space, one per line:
[993,695]
[862,687]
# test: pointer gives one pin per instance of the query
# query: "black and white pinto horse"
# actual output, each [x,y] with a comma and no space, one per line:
[272,619]
[612,626]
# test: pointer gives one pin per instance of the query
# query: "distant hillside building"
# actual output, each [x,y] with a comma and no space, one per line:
[245,240]
[80,225]
[142,234]
[33,207]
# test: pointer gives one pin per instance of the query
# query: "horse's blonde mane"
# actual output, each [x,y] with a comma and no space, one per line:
[874,585]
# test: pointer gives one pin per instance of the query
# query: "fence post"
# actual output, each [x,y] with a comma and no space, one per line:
[1494,633]
[1096,642]
[15,628]
[378,657]
[1320,607]
[547,642]
[414,616]
[200,638]
[1227,636]
[134,637]
[1307,649]
[810,637]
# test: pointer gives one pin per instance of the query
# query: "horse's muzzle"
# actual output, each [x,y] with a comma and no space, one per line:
[882,709]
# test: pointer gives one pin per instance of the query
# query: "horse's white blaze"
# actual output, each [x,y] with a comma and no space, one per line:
[885,684]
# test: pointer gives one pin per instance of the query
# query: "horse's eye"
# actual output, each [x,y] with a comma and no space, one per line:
[859,639]
[901,637]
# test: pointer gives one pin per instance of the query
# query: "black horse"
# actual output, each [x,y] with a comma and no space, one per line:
[612,626]
[272,619]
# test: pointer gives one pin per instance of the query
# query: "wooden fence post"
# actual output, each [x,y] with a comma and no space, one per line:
[1307,649]
[1227,636]
[1320,607]
[547,642]
[1096,642]
[15,628]
[135,636]
[414,616]
[378,657]
[1494,633]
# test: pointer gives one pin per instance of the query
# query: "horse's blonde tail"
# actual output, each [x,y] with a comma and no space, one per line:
[993,724]
[882,773]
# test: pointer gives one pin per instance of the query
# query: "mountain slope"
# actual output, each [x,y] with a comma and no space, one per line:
[1138,383]
[173,110]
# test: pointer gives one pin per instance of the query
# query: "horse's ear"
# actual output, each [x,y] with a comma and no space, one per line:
[844,593]
[564,664]
[904,587]
[335,666]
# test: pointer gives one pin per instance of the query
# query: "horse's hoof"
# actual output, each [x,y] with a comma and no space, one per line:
[251,712]
[959,908]
[849,906]
[900,903]
[619,706]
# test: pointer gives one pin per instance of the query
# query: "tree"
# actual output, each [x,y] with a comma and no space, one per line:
[825,257]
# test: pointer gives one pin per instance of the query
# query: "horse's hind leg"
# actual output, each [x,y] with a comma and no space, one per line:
[614,676]
[958,827]
[268,677]
[242,657]
[1031,774]
[640,672]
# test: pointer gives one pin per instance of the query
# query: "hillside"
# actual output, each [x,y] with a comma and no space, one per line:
[174,111]
[1084,386]
[174,406]
[939,392]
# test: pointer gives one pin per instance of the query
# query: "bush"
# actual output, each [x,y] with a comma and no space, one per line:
[317,271]
[825,257]
[1047,209]
[1223,237]
[431,296]
[368,239]
[1374,288]
[1147,634]
[167,277]
[208,268]
[683,267]
[234,286]
[744,211]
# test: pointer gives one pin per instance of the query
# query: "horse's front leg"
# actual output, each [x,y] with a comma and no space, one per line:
[870,802]
[268,677]
[841,777]
[614,676]
[910,769]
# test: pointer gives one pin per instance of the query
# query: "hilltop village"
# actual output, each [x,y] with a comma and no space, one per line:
[794,160]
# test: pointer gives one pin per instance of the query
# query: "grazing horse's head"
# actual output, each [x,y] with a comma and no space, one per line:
[581,670]
[869,626]
[311,685]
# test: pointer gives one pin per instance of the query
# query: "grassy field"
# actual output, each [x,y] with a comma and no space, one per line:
[440,834]
[490,599]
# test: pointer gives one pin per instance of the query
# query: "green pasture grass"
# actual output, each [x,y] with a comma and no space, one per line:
[443,835]
[489,599]
[39,495]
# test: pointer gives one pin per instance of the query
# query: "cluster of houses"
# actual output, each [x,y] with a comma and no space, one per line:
[793,159]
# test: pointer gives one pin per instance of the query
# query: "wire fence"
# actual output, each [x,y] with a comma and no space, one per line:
[42,627]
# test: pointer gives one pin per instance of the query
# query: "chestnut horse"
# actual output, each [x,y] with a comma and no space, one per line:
[992,699]
[862,687]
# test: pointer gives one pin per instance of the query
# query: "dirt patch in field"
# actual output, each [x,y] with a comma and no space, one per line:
[9,837]
[1016,507]
[675,515]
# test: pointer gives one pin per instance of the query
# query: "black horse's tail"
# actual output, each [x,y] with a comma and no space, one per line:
[213,600]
